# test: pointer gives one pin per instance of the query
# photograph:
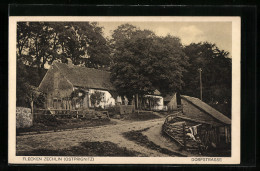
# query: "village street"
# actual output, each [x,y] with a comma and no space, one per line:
[112,133]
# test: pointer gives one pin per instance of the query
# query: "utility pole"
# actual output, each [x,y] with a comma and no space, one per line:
[200,84]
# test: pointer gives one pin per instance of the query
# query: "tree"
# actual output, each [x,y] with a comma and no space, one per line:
[23,35]
[27,80]
[144,62]
[96,47]
[216,73]
[41,43]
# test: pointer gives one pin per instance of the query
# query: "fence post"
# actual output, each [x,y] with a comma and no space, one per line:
[184,135]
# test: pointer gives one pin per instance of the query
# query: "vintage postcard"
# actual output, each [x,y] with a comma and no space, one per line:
[124,90]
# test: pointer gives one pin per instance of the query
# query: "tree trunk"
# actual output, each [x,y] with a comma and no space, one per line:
[137,106]
[141,103]
[136,101]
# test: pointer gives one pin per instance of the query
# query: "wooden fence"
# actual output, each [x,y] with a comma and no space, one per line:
[63,113]
[37,113]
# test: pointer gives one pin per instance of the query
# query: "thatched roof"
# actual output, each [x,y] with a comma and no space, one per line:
[85,77]
[208,109]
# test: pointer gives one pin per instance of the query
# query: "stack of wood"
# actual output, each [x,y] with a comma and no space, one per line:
[177,119]
[177,131]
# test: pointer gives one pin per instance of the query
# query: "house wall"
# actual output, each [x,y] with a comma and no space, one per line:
[160,105]
[194,113]
[107,100]
[57,87]
[172,105]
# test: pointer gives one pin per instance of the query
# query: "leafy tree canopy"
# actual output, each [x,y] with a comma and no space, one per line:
[41,43]
[216,73]
[144,62]
[27,82]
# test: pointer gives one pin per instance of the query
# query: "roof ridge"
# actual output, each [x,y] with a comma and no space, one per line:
[205,110]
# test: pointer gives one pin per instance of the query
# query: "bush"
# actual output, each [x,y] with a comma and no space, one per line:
[112,111]
[99,108]
[48,120]
[141,116]
[96,98]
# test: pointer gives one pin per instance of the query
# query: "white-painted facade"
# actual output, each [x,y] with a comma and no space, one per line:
[159,105]
[107,99]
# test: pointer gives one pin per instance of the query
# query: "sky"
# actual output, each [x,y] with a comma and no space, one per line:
[219,33]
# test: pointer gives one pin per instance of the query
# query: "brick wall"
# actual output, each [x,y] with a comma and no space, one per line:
[23,117]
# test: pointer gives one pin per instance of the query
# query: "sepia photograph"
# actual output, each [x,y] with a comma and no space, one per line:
[136,90]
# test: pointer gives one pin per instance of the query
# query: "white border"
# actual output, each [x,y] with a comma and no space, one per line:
[236,57]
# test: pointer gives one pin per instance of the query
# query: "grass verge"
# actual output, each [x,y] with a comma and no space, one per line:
[141,116]
[105,148]
[63,124]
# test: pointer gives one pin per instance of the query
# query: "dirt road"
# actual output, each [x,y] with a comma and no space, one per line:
[67,139]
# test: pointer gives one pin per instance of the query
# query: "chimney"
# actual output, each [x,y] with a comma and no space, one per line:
[70,64]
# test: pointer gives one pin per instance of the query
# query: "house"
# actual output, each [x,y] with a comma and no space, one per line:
[193,109]
[154,101]
[62,80]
